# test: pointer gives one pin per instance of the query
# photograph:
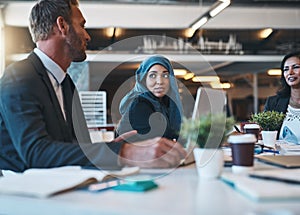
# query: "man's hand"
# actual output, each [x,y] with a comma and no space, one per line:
[124,136]
[152,153]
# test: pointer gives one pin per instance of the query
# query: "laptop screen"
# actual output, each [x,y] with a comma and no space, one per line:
[207,101]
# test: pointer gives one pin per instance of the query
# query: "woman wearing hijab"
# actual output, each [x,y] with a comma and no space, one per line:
[153,107]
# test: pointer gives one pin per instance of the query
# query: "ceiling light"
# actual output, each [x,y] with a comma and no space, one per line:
[109,32]
[113,32]
[188,76]
[118,32]
[206,79]
[274,72]
[263,34]
[189,32]
[226,85]
[199,23]
[218,7]
[218,85]
[179,72]
[213,11]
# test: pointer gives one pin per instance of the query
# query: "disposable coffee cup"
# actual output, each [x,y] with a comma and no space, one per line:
[252,129]
[242,147]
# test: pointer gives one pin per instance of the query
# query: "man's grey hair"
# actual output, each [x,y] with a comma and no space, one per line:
[44,14]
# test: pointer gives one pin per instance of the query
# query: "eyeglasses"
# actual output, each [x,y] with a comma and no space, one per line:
[261,148]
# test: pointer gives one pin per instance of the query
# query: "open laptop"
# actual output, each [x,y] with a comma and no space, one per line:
[207,101]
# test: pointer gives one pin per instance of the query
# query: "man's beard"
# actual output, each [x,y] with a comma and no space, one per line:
[74,43]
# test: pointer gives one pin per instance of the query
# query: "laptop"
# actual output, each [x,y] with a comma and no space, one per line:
[207,101]
[286,161]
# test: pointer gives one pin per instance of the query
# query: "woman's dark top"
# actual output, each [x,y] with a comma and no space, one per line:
[150,117]
[277,103]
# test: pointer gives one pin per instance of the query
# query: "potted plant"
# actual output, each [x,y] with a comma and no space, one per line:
[270,122]
[207,133]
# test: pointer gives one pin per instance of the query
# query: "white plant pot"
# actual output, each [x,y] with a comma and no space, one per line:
[209,162]
[269,138]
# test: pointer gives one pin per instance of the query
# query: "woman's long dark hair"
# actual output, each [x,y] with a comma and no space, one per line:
[285,90]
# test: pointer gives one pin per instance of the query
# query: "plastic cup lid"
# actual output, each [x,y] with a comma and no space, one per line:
[251,126]
[243,138]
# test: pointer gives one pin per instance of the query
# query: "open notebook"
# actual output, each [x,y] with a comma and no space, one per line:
[42,183]
[266,185]
[207,101]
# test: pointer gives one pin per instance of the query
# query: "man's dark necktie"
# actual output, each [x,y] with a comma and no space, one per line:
[76,128]
[68,88]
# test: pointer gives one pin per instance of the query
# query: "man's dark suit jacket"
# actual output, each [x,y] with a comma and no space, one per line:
[33,132]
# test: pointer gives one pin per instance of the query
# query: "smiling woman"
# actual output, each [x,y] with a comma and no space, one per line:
[287,99]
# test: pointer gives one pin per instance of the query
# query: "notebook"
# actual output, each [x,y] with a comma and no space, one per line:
[279,184]
[208,100]
[286,161]
[44,183]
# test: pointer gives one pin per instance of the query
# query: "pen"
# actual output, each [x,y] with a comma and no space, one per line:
[274,178]
[237,129]
[272,151]
[259,151]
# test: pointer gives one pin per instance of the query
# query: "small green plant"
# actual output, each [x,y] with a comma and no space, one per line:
[268,120]
[208,131]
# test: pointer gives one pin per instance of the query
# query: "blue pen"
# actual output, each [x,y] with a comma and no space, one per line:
[270,150]
[258,151]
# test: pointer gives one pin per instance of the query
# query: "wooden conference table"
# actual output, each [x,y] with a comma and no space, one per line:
[180,192]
